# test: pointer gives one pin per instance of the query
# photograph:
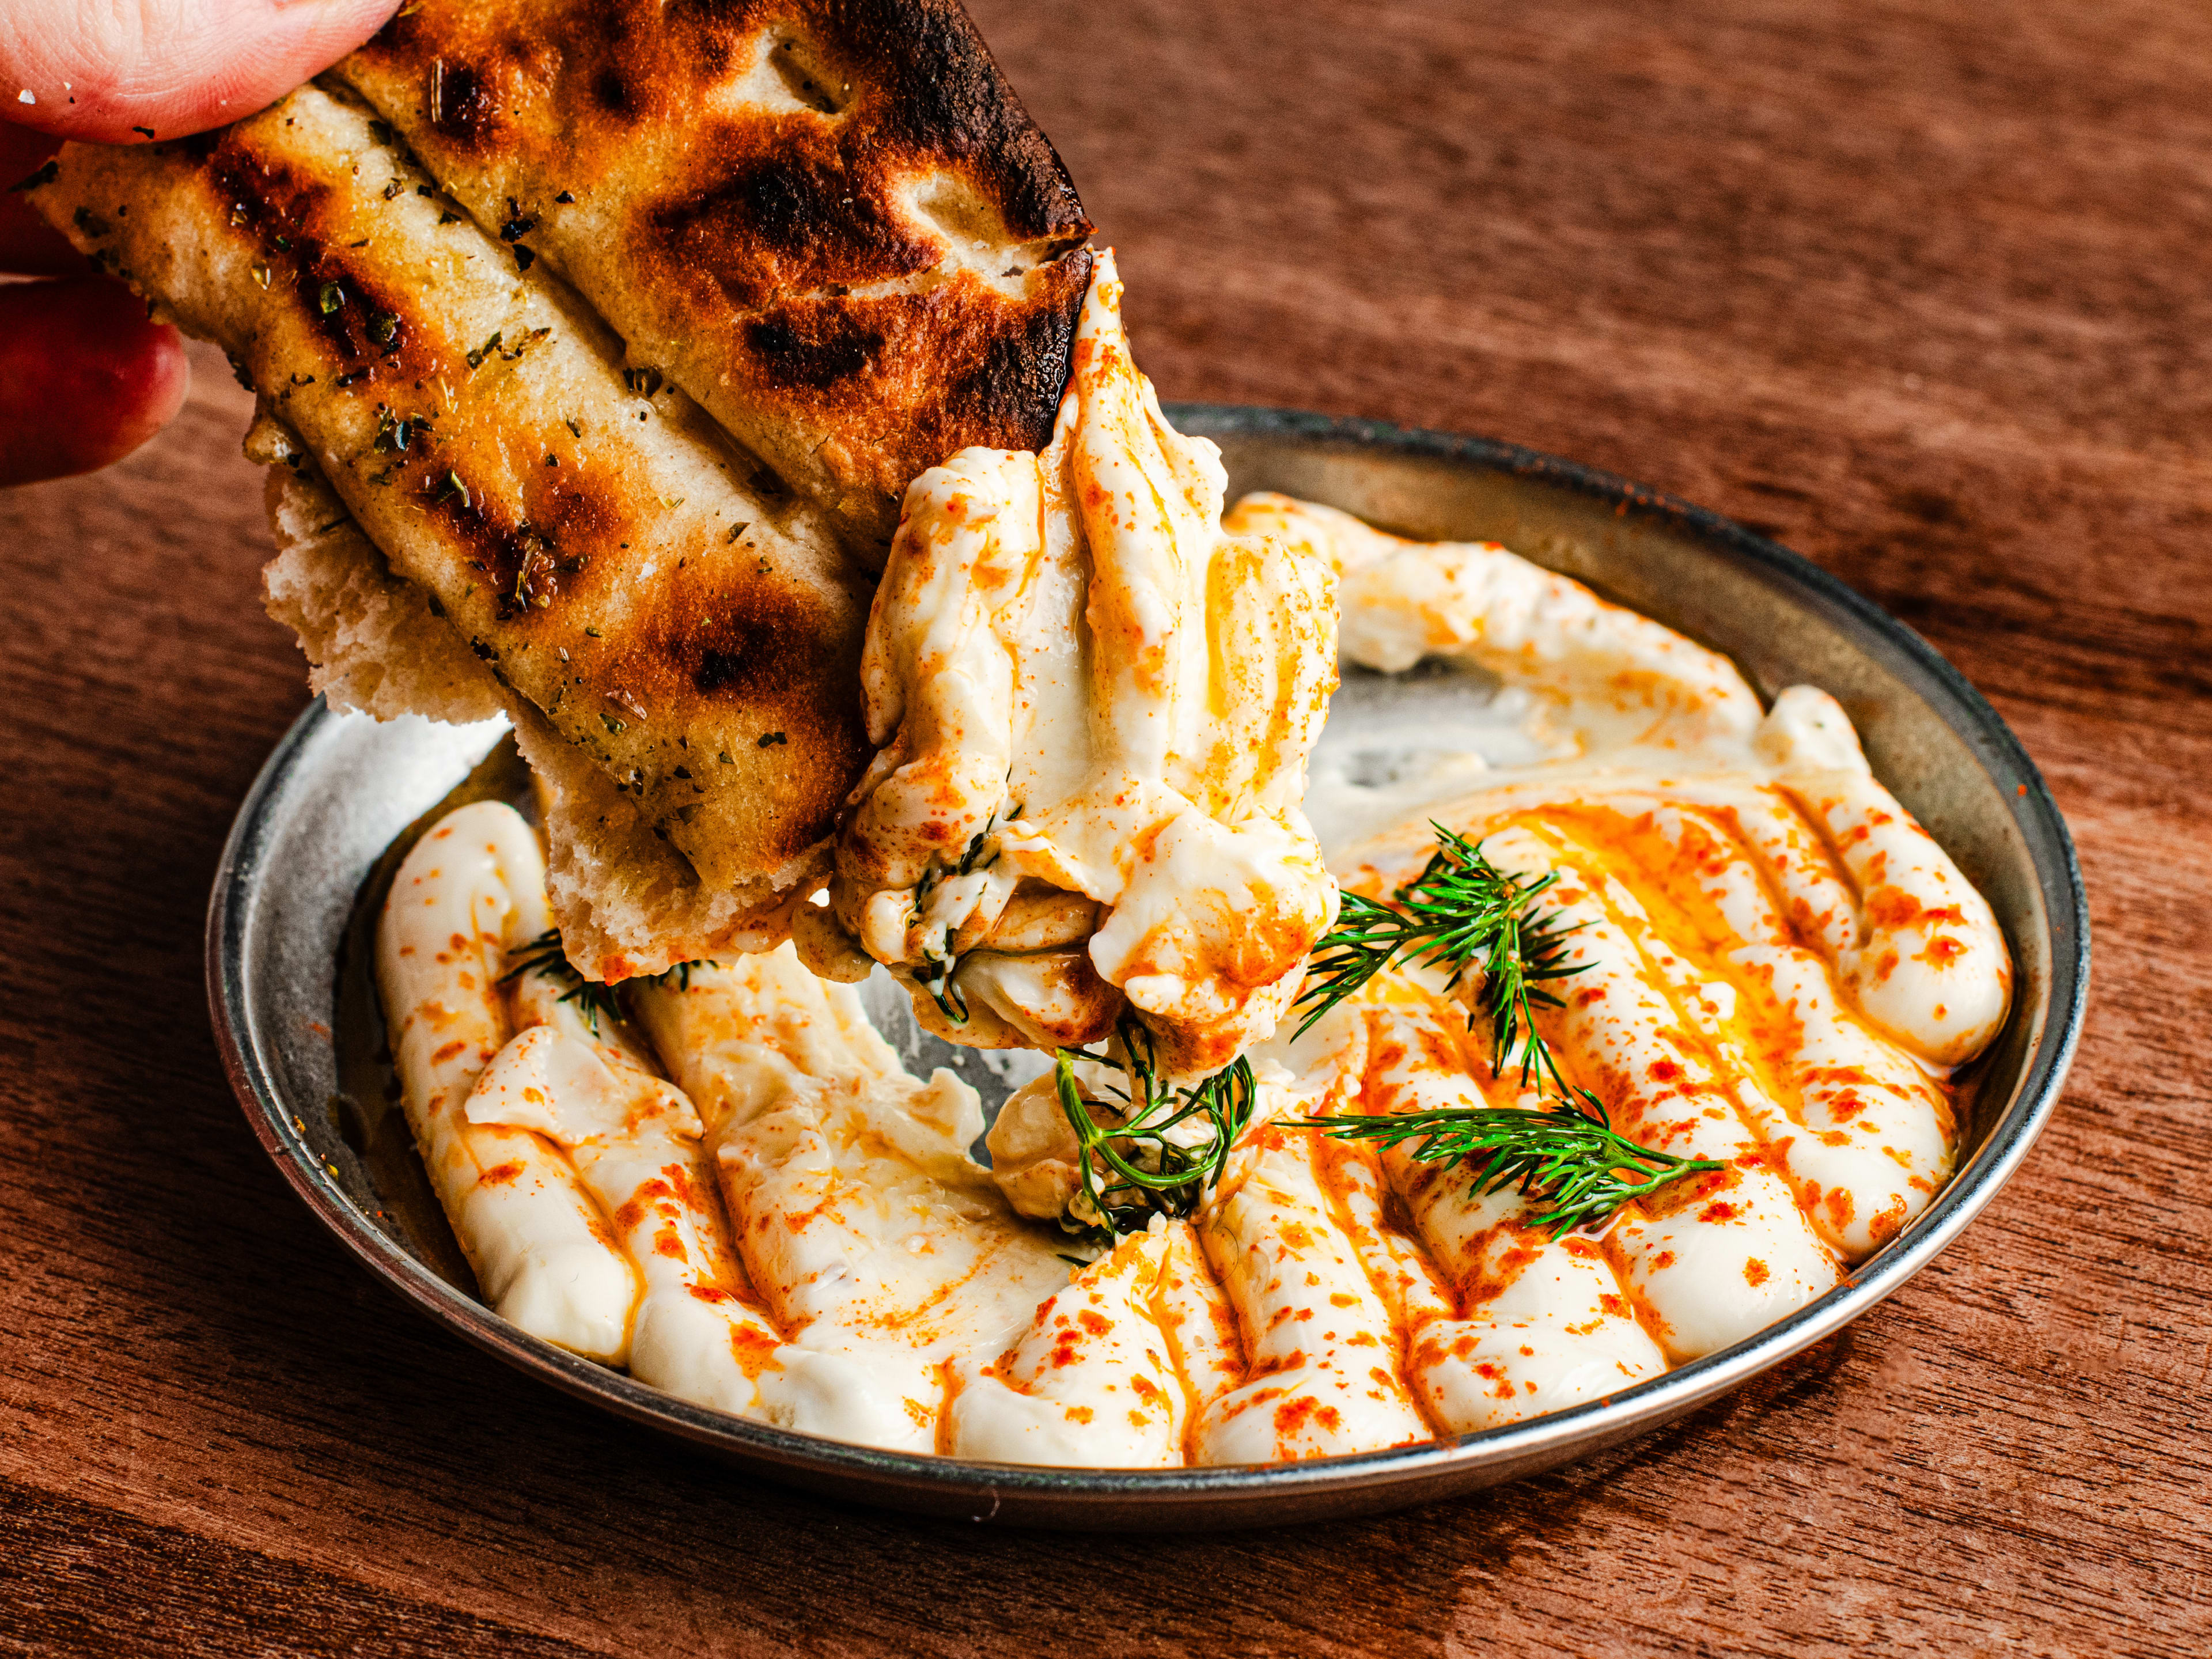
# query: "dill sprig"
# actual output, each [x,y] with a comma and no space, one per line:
[1462,912]
[1133,1169]
[1570,1163]
[946,995]
[681,973]
[544,956]
[944,992]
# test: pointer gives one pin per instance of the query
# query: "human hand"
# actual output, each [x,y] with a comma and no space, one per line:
[85,377]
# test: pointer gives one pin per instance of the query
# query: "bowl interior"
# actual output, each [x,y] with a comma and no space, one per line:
[333,812]
[1931,737]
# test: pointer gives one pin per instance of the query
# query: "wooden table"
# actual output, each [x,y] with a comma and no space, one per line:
[1918,286]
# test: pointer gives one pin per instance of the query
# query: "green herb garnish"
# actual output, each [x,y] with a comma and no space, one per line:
[1132,1168]
[545,957]
[1569,1162]
[1462,912]
[942,991]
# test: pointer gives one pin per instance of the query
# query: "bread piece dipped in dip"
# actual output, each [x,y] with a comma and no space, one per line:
[1094,707]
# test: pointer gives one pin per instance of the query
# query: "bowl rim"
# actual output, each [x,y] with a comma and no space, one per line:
[1051,1496]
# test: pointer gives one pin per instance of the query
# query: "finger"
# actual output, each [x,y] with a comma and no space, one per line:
[29,246]
[84,378]
[138,69]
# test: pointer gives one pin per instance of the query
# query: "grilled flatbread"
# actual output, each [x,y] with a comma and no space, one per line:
[833,225]
[637,584]
[833,222]
[627,902]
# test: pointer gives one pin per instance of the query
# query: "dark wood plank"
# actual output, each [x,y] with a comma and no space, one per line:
[1917,286]
[76,1578]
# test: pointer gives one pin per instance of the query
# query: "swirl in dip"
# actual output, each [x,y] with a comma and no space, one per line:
[1097,702]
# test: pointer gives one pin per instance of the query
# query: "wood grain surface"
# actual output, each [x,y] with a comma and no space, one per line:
[1917,286]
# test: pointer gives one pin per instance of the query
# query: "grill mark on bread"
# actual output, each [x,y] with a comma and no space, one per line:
[930,85]
[575,508]
[1017,388]
[746,652]
[838,349]
[829,220]
[613,91]
[520,557]
[952,101]
[460,108]
[587,586]
[986,377]
[807,205]
[282,210]
[758,650]
[519,560]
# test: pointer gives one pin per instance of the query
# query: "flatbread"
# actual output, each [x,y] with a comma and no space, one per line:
[626,901]
[620,567]
[832,222]
[834,225]
[373,643]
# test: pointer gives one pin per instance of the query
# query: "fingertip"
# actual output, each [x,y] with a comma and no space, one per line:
[85,377]
[158,381]
[185,68]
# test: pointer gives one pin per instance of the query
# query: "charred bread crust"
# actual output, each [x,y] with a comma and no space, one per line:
[597,542]
[833,224]
[625,901]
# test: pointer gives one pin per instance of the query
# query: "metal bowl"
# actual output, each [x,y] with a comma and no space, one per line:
[340,788]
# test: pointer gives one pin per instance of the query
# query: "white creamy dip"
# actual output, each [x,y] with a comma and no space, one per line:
[1094,703]
[736,1189]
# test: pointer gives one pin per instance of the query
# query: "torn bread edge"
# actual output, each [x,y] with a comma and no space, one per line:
[627,903]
